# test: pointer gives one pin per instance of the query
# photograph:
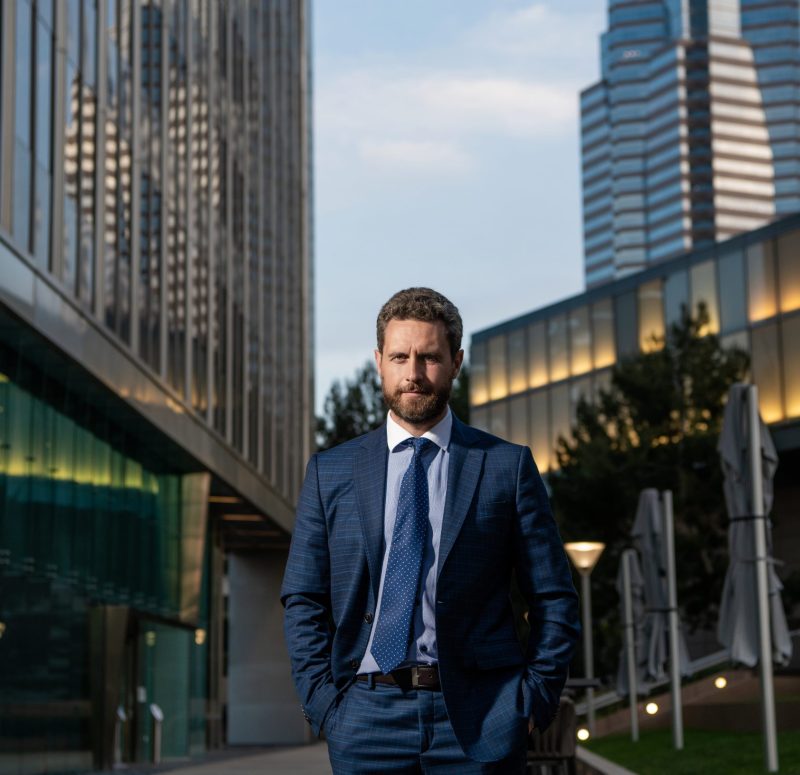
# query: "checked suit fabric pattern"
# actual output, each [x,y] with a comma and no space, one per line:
[392,630]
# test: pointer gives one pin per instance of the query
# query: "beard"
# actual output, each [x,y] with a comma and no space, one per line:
[424,405]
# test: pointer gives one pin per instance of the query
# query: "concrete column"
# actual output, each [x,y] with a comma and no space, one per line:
[263,708]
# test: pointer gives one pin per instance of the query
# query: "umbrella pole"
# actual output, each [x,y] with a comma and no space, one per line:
[759,525]
[672,597]
[630,642]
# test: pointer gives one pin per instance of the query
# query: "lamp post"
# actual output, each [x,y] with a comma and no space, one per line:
[584,556]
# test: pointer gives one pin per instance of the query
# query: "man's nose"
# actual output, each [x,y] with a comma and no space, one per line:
[414,367]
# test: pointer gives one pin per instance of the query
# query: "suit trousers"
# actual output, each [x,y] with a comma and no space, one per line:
[379,728]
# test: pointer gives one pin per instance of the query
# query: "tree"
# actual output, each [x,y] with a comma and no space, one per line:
[657,426]
[356,406]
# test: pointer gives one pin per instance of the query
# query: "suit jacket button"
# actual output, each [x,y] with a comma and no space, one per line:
[354,663]
[368,617]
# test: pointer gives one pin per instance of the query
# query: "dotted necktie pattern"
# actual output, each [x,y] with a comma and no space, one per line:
[401,582]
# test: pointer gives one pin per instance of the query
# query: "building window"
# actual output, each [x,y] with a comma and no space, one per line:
[560,417]
[676,296]
[478,388]
[498,419]
[766,365]
[23,124]
[761,303]
[498,368]
[580,341]
[625,320]
[791,364]
[539,419]
[43,156]
[704,290]
[603,350]
[537,355]
[557,344]
[518,360]
[519,421]
[651,316]
[732,297]
[789,271]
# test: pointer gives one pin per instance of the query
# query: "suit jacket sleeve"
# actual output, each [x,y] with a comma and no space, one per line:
[545,580]
[306,598]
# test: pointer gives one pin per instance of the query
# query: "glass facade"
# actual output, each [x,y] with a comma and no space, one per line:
[737,282]
[691,135]
[155,357]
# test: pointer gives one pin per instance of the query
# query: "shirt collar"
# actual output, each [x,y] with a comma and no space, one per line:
[439,434]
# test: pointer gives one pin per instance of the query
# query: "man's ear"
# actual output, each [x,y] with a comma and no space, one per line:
[377,359]
[457,361]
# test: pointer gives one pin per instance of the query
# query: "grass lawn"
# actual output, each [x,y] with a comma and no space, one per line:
[704,753]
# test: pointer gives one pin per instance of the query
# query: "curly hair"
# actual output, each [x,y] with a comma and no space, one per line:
[426,305]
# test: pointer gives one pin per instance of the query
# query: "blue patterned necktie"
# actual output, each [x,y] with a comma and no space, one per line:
[390,644]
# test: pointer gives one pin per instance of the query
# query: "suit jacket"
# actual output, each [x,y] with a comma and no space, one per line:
[497,518]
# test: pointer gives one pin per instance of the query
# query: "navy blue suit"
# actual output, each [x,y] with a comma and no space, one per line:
[497,519]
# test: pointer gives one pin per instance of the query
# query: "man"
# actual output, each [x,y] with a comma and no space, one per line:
[398,616]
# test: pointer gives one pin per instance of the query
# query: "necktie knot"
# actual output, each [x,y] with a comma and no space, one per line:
[419,445]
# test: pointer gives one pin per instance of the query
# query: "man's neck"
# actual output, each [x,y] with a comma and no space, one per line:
[418,429]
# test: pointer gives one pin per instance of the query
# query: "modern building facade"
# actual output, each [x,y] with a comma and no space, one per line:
[155,373]
[692,134]
[528,374]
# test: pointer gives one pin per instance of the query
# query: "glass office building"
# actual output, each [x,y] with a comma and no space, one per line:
[528,374]
[692,134]
[156,403]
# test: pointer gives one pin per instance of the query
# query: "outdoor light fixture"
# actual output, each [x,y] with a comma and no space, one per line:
[651,708]
[583,734]
[584,556]
[720,682]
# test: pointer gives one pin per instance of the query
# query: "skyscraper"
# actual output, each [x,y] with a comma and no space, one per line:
[692,135]
[155,373]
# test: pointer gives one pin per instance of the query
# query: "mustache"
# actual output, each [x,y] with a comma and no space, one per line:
[416,387]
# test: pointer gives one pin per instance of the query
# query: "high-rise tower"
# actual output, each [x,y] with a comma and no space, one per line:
[691,136]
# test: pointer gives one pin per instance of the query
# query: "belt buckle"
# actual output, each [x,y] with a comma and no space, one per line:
[415,677]
[418,671]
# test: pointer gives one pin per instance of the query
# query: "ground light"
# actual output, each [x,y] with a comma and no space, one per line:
[651,708]
[720,682]
[583,734]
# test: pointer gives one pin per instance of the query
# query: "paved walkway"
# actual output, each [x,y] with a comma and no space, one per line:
[297,760]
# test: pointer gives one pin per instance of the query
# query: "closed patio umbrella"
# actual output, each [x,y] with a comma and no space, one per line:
[648,537]
[737,629]
[638,608]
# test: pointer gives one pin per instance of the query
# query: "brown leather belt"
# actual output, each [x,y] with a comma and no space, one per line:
[415,677]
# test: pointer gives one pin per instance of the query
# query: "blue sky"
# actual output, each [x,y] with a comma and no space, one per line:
[446,153]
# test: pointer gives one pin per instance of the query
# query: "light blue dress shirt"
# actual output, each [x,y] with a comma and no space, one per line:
[422,649]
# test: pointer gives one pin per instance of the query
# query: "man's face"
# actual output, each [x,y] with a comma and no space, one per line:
[417,372]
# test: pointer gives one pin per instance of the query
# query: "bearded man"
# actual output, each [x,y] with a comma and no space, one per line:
[398,616]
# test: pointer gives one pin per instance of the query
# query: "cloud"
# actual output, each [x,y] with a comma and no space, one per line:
[413,155]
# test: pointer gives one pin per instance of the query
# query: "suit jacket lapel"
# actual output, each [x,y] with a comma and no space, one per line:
[463,474]
[370,484]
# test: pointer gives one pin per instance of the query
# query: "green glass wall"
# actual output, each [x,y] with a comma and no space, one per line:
[89,519]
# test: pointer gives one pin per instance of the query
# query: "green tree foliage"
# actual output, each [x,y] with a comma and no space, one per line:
[656,426]
[356,406]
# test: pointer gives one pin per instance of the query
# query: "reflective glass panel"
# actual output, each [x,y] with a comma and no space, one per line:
[498,419]
[557,341]
[789,271]
[537,355]
[479,418]
[676,296]
[603,347]
[478,388]
[580,343]
[791,365]
[498,368]
[625,319]
[578,389]
[519,421]
[767,371]
[732,302]
[540,430]
[517,360]
[651,316]
[560,415]
[704,289]
[761,303]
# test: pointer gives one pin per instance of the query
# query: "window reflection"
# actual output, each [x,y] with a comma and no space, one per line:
[766,371]
[580,350]
[604,352]
[478,388]
[789,270]
[560,417]
[761,303]
[704,289]
[557,342]
[540,429]
[651,316]
[791,365]
[498,419]
[517,360]
[732,291]
[537,355]
[498,368]
[518,432]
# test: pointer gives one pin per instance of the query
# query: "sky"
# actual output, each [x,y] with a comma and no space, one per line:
[446,154]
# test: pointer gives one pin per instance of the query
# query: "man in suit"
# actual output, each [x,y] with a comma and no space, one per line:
[398,616]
